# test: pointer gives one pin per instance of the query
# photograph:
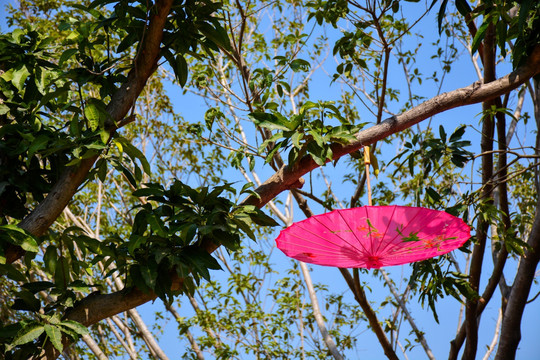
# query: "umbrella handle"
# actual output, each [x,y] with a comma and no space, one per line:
[367,161]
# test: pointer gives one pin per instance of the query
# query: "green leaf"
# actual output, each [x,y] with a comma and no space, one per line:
[39,143]
[307,105]
[296,138]
[298,65]
[11,272]
[130,39]
[79,285]
[75,326]
[29,333]
[433,194]
[10,330]
[457,134]
[181,69]
[96,113]
[104,135]
[270,121]
[66,55]
[442,133]
[137,278]
[216,34]
[440,16]
[463,7]
[26,301]
[19,77]
[317,137]
[50,259]
[134,153]
[243,221]
[18,236]
[149,274]
[258,216]
[4,109]
[317,153]
[480,34]
[61,275]
[157,225]
[17,34]
[524,12]
[55,336]
[148,191]
[270,140]
[201,260]
[37,286]
[395,6]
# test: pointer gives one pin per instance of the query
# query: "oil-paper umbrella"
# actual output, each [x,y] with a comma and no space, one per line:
[373,236]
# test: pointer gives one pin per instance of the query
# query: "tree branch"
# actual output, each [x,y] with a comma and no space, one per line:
[486,144]
[329,341]
[419,334]
[510,330]
[46,212]
[361,298]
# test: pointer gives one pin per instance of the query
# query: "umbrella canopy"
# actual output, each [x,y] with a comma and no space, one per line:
[373,236]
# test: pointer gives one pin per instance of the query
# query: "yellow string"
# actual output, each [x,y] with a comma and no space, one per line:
[367,161]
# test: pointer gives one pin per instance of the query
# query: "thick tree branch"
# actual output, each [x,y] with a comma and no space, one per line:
[486,144]
[361,298]
[42,217]
[62,192]
[510,330]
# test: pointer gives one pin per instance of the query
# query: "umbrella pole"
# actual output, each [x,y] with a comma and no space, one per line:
[367,162]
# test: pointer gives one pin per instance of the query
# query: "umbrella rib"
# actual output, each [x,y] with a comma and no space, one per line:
[300,225]
[334,233]
[417,246]
[381,243]
[391,241]
[363,250]
[320,245]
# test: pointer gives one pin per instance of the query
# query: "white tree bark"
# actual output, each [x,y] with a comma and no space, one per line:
[328,340]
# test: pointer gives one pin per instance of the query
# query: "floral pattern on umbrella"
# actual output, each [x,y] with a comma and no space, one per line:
[373,236]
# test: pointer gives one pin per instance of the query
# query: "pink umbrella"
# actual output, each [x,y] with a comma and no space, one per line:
[373,236]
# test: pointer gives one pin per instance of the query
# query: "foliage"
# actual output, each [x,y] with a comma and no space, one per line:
[303,135]
[168,238]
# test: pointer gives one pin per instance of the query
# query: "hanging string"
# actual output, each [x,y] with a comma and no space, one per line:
[367,162]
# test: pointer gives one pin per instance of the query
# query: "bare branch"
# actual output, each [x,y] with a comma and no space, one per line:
[329,341]
[403,307]
[94,347]
[194,346]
